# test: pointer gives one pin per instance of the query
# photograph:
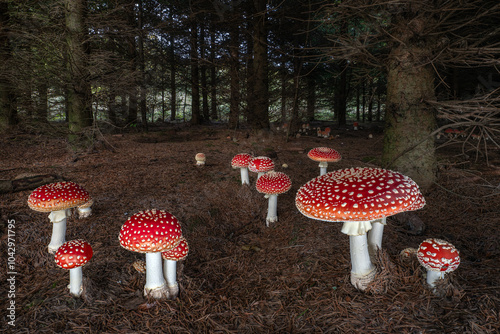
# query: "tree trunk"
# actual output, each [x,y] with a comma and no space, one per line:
[234,62]
[195,80]
[311,97]
[8,116]
[408,148]
[258,117]
[79,94]
[213,76]
[142,70]
[341,95]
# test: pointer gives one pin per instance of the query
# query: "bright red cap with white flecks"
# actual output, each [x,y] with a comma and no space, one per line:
[73,254]
[358,194]
[324,154]
[273,183]
[438,255]
[150,231]
[58,196]
[241,160]
[178,253]
[261,164]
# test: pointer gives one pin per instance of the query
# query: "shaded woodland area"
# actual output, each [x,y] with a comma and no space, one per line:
[119,96]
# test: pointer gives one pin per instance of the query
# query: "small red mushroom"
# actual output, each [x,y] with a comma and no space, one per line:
[261,165]
[273,184]
[241,161]
[324,155]
[72,255]
[151,232]
[57,198]
[437,257]
[170,258]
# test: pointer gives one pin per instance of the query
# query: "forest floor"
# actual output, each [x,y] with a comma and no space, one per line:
[241,276]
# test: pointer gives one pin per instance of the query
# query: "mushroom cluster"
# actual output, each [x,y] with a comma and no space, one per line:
[152,232]
[357,196]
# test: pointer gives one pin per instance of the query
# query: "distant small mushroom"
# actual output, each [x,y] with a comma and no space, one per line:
[57,198]
[200,159]
[170,258]
[151,232]
[261,165]
[73,255]
[324,155]
[273,184]
[437,257]
[241,161]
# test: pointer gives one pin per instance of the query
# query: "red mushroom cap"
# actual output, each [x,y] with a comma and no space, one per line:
[73,254]
[358,194]
[58,196]
[324,154]
[180,252]
[150,231]
[273,183]
[438,255]
[261,164]
[241,160]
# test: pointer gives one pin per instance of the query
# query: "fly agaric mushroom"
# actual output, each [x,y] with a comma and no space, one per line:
[170,259]
[355,196]
[73,255]
[241,161]
[273,184]
[200,159]
[151,232]
[437,257]
[324,155]
[261,165]
[57,198]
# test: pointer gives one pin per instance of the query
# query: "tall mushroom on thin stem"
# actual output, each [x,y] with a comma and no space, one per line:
[72,255]
[324,155]
[151,232]
[261,165]
[241,161]
[57,198]
[170,259]
[437,257]
[272,184]
[355,196]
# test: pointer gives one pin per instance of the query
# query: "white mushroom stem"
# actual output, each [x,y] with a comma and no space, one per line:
[375,235]
[433,276]
[58,220]
[362,269]
[75,281]
[272,209]
[244,176]
[155,282]
[170,273]
[322,167]
[259,174]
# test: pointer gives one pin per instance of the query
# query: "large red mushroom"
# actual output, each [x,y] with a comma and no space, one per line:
[151,232]
[356,196]
[57,198]
[72,255]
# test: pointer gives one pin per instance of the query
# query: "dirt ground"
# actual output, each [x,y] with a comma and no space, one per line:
[240,276]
